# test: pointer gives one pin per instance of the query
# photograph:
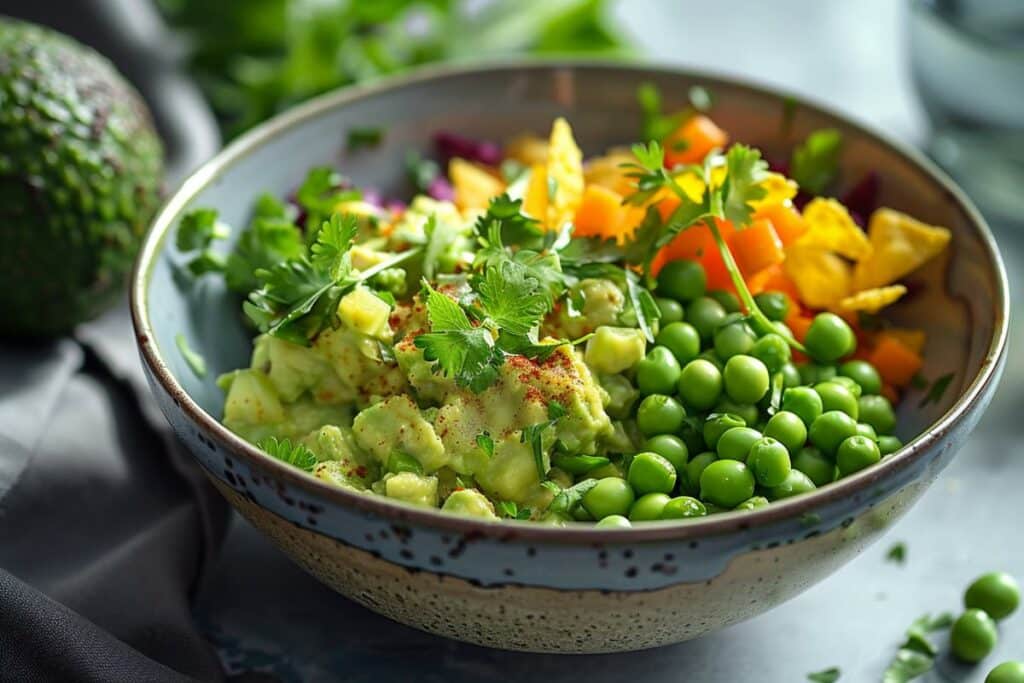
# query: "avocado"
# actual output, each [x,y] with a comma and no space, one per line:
[80,178]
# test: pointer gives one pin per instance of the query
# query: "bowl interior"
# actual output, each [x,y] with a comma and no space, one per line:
[957,299]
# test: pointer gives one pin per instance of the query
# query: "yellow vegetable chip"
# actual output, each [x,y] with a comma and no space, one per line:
[873,300]
[911,338]
[608,171]
[564,176]
[830,227]
[778,188]
[821,277]
[901,245]
[474,187]
[535,199]
[527,149]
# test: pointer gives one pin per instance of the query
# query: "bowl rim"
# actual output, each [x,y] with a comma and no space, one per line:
[715,525]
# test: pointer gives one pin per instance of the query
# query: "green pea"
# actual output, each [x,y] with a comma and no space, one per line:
[651,473]
[403,462]
[815,465]
[611,496]
[718,424]
[657,372]
[850,385]
[855,453]
[733,339]
[1007,672]
[705,314]
[613,522]
[877,412]
[887,445]
[803,402]
[835,396]
[682,339]
[726,483]
[864,374]
[735,443]
[830,430]
[864,429]
[782,329]
[683,507]
[790,376]
[996,592]
[773,351]
[691,434]
[812,373]
[682,280]
[788,429]
[752,503]
[710,356]
[700,384]
[671,310]
[829,338]
[774,305]
[973,636]
[695,468]
[746,379]
[769,461]
[648,507]
[659,414]
[748,411]
[796,483]
[670,447]
[713,509]
[728,300]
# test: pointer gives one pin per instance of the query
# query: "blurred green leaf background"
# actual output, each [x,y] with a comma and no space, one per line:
[255,58]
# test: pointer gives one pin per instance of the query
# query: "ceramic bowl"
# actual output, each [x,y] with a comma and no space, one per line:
[532,587]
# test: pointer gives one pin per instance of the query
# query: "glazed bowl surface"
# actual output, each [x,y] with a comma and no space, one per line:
[526,586]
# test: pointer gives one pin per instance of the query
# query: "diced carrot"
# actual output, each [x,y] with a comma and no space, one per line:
[895,362]
[789,224]
[756,247]
[693,140]
[697,244]
[773,279]
[911,338]
[600,213]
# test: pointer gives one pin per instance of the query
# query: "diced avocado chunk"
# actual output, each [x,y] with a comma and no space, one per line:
[340,474]
[293,368]
[252,400]
[363,311]
[511,474]
[614,349]
[621,395]
[413,488]
[397,424]
[469,503]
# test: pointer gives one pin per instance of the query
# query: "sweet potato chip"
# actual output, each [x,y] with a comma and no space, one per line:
[474,186]
[535,198]
[527,149]
[830,227]
[564,176]
[821,277]
[872,300]
[901,245]
[609,171]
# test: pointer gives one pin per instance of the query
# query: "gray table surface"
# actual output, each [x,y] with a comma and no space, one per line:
[849,55]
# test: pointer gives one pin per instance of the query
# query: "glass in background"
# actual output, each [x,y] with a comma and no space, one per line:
[967,59]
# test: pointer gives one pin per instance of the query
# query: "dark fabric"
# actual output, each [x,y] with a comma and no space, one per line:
[104,519]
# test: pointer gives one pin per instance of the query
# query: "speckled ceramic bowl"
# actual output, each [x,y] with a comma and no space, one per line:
[531,587]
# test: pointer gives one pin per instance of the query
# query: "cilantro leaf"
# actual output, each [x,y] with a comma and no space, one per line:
[524,345]
[293,454]
[815,162]
[290,292]
[508,508]
[440,238]
[745,171]
[897,553]
[486,443]
[907,665]
[319,195]
[511,297]
[195,361]
[461,351]
[363,138]
[644,306]
[198,228]
[270,239]
[917,654]
[534,435]
[444,312]
[333,241]
[830,675]
[937,390]
[567,499]
[421,171]
[513,226]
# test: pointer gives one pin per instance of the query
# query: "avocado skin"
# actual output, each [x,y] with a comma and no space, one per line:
[81,173]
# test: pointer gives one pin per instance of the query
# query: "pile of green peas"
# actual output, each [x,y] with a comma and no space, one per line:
[729,421]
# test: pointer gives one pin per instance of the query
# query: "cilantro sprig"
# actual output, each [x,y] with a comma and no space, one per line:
[534,436]
[815,162]
[284,450]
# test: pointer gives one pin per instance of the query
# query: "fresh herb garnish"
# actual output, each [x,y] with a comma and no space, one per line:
[566,500]
[196,232]
[815,162]
[578,464]
[534,435]
[916,655]
[421,171]
[293,454]
[789,106]
[486,443]
[363,138]
[320,194]
[897,553]
[511,510]
[937,390]
[656,125]
[194,360]
[830,675]
[461,350]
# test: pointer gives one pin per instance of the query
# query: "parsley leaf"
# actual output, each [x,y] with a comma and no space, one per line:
[461,351]
[830,675]
[937,390]
[514,227]
[331,248]
[198,228]
[270,238]
[283,449]
[815,162]
[745,171]
[511,297]
[897,553]
[567,499]
[534,435]
[195,361]
[319,195]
